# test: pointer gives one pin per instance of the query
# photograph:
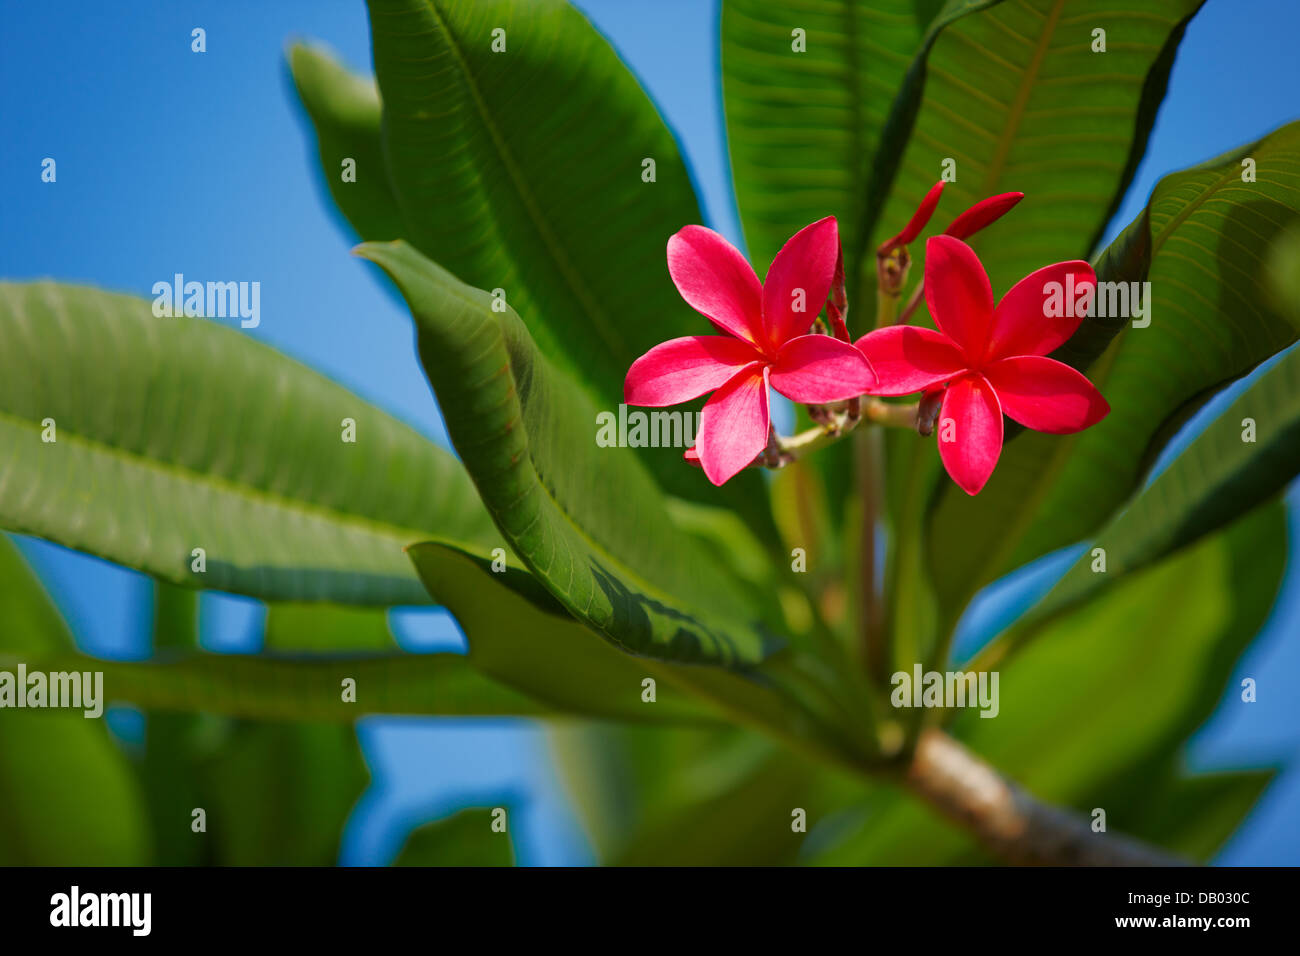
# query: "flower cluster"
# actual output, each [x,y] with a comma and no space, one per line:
[980,362]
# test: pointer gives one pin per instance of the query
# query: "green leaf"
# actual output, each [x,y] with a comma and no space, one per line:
[279,794]
[1199,243]
[327,629]
[1217,478]
[521,637]
[177,433]
[1016,97]
[463,839]
[69,795]
[345,110]
[1094,711]
[523,171]
[302,688]
[804,127]
[587,520]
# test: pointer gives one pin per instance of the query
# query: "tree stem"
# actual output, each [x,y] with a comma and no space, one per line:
[871,625]
[1010,823]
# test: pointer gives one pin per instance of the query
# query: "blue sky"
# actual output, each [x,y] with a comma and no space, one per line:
[170,162]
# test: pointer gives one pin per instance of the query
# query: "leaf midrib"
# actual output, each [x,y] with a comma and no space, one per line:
[228,486]
[549,240]
[1016,115]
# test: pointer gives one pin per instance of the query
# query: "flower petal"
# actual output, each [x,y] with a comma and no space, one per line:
[909,359]
[918,220]
[800,276]
[958,293]
[817,368]
[714,278]
[734,424]
[681,369]
[1022,323]
[970,432]
[1046,395]
[983,213]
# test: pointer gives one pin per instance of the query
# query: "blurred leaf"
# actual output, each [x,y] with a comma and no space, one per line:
[177,433]
[344,109]
[681,797]
[587,520]
[68,793]
[1194,816]
[523,171]
[1282,273]
[1198,243]
[753,822]
[1095,709]
[463,839]
[302,688]
[327,629]
[1210,484]
[279,794]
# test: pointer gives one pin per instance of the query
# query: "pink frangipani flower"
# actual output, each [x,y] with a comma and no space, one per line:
[992,360]
[764,342]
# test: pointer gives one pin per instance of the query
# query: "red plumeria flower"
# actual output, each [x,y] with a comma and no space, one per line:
[992,360]
[983,213]
[764,342]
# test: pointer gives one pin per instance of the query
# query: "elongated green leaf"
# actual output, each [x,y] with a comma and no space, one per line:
[1094,713]
[1217,478]
[1200,244]
[344,108]
[805,125]
[68,793]
[1015,96]
[522,637]
[463,839]
[303,689]
[588,521]
[526,171]
[171,434]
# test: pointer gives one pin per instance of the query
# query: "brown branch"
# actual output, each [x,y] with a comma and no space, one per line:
[1009,822]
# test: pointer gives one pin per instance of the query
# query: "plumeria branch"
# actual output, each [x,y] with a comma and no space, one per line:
[1012,824]
[834,426]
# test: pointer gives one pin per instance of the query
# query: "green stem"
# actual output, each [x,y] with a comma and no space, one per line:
[871,410]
